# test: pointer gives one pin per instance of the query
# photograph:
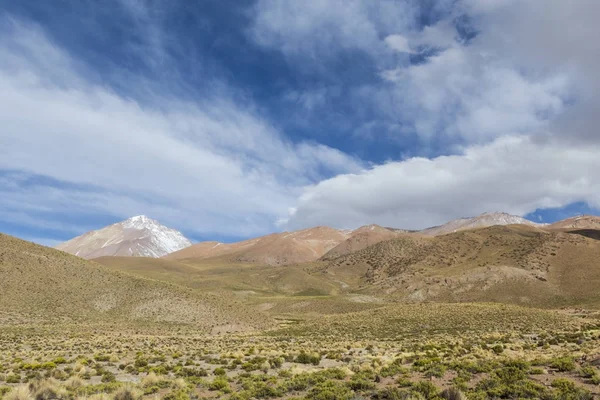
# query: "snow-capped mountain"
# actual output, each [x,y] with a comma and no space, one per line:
[483,220]
[138,236]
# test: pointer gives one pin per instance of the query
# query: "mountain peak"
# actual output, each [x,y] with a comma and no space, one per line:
[139,222]
[483,220]
[138,236]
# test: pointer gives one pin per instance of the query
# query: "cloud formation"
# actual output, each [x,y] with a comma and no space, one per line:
[503,91]
[511,174]
[218,163]
[479,106]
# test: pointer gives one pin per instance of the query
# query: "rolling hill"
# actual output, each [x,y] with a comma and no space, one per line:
[361,238]
[42,284]
[579,222]
[275,249]
[513,263]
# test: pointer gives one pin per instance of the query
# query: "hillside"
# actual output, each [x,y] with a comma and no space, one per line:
[579,222]
[361,238]
[515,263]
[42,284]
[135,237]
[275,249]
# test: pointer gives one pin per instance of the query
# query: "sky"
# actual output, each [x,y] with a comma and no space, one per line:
[231,119]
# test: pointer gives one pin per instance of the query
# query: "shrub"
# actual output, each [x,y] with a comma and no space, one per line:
[426,388]
[127,393]
[305,358]
[19,393]
[563,364]
[360,383]
[568,390]
[179,394]
[437,370]
[391,393]
[588,372]
[393,369]
[498,349]
[221,384]
[74,382]
[329,390]
[46,391]
[108,376]
[453,394]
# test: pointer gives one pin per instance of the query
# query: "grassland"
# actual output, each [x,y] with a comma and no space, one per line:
[324,330]
[430,351]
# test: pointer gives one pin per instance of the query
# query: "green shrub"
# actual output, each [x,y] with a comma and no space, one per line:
[329,390]
[179,394]
[588,372]
[437,370]
[221,384]
[360,383]
[563,364]
[393,369]
[426,388]
[108,376]
[305,358]
[567,390]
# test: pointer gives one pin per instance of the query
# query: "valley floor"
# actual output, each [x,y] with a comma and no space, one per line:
[427,351]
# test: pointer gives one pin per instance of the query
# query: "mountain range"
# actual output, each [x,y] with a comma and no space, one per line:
[143,271]
[141,236]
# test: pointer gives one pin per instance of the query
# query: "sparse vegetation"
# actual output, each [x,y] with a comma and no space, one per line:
[303,345]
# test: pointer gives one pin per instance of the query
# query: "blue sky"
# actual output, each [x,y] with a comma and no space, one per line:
[231,119]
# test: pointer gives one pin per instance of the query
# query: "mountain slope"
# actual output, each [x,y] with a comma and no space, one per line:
[515,263]
[361,238]
[579,222]
[275,249]
[42,284]
[483,220]
[135,237]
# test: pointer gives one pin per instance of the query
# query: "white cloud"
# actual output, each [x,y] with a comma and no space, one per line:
[316,28]
[515,105]
[212,166]
[398,43]
[511,174]
[465,94]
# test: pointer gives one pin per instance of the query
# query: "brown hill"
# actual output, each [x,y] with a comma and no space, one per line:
[42,284]
[275,249]
[361,238]
[579,222]
[515,263]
